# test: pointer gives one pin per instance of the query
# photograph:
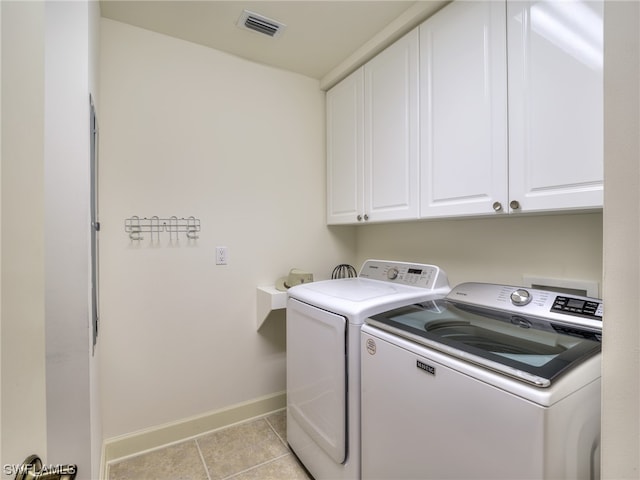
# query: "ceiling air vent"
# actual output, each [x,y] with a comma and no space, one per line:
[261,24]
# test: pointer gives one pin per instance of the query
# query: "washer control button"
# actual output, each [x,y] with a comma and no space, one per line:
[392,273]
[521,297]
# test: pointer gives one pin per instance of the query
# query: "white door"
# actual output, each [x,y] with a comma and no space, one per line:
[555,74]
[463,110]
[345,145]
[316,378]
[23,414]
[391,180]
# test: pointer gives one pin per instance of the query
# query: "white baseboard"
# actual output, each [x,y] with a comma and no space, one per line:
[138,442]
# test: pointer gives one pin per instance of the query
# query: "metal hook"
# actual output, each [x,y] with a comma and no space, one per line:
[192,228]
[157,227]
[136,229]
[173,225]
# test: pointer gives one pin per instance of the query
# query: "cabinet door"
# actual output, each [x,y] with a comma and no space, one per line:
[391,132]
[345,150]
[463,110]
[555,104]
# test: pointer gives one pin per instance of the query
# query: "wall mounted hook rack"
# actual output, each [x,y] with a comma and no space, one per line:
[136,226]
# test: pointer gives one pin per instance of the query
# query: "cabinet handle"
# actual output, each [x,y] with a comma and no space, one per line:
[497,206]
[366,217]
[359,217]
[514,204]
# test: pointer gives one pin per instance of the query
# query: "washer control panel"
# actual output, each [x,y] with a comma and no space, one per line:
[569,309]
[578,306]
[521,297]
[412,274]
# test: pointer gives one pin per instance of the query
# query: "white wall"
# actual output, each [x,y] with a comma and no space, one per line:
[1,450]
[67,77]
[621,336]
[94,361]
[187,130]
[67,232]
[498,250]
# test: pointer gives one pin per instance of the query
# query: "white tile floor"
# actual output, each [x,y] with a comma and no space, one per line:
[256,450]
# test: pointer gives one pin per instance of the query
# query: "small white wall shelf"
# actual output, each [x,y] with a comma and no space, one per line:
[268,299]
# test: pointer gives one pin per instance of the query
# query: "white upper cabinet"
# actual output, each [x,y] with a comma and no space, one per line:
[372,139]
[391,143]
[555,75]
[488,108]
[463,110]
[345,150]
[517,126]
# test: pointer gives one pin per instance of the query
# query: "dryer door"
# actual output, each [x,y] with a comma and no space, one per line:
[316,376]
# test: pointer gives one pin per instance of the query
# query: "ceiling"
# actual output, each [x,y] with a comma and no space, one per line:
[319,36]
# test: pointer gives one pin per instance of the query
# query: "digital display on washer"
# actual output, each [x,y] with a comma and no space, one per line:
[530,349]
[575,303]
[577,306]
[416,271]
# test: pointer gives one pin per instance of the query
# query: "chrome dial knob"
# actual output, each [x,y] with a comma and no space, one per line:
[521,297]
[392,273]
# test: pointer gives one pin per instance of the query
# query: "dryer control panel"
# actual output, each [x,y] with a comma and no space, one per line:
[405,273]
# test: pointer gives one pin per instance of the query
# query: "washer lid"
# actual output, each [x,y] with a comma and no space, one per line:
[529,349]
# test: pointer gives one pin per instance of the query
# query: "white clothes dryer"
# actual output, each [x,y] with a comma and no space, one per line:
[323,357]
[493,382]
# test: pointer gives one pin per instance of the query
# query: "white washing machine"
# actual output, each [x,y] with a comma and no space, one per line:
[494,382]
[324,320]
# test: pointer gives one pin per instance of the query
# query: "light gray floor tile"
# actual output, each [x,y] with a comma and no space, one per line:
[239,448]
[175,462]
[278,421]
[284,468]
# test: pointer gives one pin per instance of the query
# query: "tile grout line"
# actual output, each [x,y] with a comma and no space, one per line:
[267,462]
[276,432]
[206,469]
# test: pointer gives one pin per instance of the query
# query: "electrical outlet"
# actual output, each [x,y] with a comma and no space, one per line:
[222,255]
